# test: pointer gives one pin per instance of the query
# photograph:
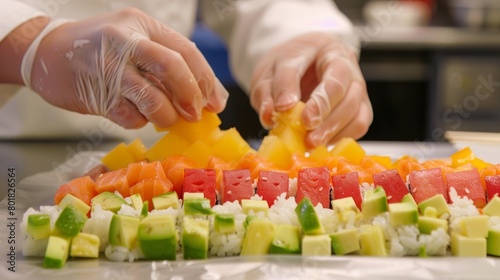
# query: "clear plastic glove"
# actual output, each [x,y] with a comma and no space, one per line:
[324,73]
[124,66]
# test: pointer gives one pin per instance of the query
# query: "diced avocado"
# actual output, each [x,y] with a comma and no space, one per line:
[462,246]
[427,224]
[39,226]
[344,207]
[402,214]
[474,226]
[316,245]
[371,241]
[430,212]
[157,237]
[190,195]
[70,199]
[144,210]
[254,205]
[166,200]
[374,203]
[197,207]
[247,221]
[70,222]
[345,241]
[224,223]
[286,240]
[108,201]
[85,245]
[258,237]
[437,201]
[308,218]
[137,202]
[493,242]
[409,198]
[123,231]
[195,238]
[422,251]
[56,253]
[493,207]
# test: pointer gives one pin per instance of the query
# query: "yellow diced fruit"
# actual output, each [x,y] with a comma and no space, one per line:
[293,139]
[385,161]
[193,131]
[137,150]
[231,146]
[199,151]
[320,154]
[350,149]
[170,144]
[274,150]
[291,118]
[462,157]
[214,136]
[480,164]
[119,157]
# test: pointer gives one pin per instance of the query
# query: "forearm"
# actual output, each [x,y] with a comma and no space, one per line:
[14,46]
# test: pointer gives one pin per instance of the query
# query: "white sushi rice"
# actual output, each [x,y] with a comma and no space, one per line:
[227,244]
[98,224]
[459,208]
[283,211]
[32,247]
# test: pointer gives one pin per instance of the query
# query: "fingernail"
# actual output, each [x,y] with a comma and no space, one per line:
[224,94]
[286,100]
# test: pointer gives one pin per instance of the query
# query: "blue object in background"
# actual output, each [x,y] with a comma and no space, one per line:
[214,50]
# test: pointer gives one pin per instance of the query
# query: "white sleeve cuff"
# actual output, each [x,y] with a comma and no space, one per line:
[13,14]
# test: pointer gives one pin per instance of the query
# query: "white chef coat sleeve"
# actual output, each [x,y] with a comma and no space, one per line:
[13,14]
[252,27]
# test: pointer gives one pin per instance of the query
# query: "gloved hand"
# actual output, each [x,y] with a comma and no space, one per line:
[324,73]
[125,66]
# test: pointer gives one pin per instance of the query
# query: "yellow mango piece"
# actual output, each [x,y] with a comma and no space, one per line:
[462,157]
[231,146]
[213,136]
[293,139]
[385,161]
[193,131]
[119,157]
[137,150]
[480,164]
[319,154]
[170,144]
[291,118]
[199,151]
[274,150]
[350,149]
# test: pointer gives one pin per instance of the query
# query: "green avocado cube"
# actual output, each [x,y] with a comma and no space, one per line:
[371,241]
[224,223]
[462,246]
[438,202]
[193,195]
[402,214]
[428,224]
[166,200]
[493,242]
[108,201]
[474,226]
[157,237]
[254,205]
[493,207]
[374,203]
[70,222]
[316,245]
[85,245]
[308,218]
[70,199]
[409,199]
[345,241]
[258,237]
[286,240]
[343,207]
[123,231]
[39,226]
[136,201]
[197,207]
[56,253]
[145,209]
[195,238]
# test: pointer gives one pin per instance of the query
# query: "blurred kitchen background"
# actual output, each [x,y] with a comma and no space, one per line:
[430,65]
